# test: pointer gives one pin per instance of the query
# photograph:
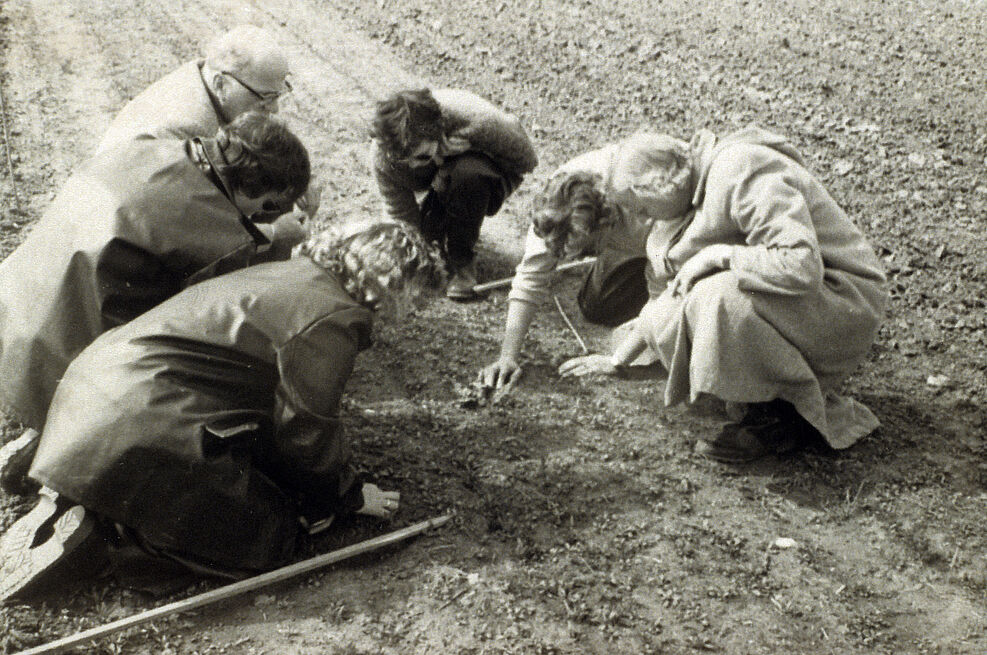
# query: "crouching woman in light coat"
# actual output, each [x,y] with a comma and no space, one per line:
[766,294]
[206,428]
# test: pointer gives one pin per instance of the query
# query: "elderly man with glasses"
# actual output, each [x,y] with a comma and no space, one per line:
[243,70]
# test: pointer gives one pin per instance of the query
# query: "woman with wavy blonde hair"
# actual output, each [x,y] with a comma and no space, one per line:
[208,429]
[604,203]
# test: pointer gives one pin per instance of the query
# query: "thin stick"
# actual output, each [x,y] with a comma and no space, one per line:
[503,282]
[237,588]
[569,323]
[6,148]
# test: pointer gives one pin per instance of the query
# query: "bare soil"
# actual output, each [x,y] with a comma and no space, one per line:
[583,521]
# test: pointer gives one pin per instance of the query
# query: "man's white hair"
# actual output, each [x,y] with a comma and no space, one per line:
[245,49]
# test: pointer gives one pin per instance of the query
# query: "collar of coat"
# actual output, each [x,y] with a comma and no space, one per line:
[705,147]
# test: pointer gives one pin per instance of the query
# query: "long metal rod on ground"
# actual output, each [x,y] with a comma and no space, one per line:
[237,588]
[503,282]
[572,327]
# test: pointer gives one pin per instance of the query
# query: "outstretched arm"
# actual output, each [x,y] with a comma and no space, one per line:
[506,371]
[529,288]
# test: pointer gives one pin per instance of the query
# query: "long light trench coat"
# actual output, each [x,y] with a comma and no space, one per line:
[800,305]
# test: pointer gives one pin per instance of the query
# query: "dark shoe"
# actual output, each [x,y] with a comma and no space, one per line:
[461,283]
[55,541]
[772,428]
[15,461]
[733,445]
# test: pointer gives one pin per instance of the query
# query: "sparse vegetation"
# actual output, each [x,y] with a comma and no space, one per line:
[583,521]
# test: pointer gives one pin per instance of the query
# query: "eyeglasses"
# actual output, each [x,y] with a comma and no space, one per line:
[266,96]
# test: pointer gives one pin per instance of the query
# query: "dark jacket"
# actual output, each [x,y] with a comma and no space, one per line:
[472,125]
[210,423]
[134,226]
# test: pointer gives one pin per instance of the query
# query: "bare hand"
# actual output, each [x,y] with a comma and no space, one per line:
[588,365]
[379,503]
[708,260]
[289,230]
[502,375]
[310,201]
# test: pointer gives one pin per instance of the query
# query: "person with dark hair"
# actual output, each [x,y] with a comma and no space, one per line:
[133,226]
[765,295]
[464,154]
[598,203]
[206,432]
[243,70]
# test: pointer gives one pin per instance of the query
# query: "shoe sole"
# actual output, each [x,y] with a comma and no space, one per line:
[24,568]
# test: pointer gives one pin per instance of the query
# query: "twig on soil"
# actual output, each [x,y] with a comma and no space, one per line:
[6,149]
[238,588]
[569,323]
[454,598]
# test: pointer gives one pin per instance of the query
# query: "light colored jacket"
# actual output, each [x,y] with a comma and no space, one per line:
[626,237]
[813,285]
[177,106]
[754,193]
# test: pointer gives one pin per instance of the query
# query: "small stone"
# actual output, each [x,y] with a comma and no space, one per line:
[843,166]
[785,543]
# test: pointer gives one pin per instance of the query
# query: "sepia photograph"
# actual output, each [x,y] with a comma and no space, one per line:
[493,327]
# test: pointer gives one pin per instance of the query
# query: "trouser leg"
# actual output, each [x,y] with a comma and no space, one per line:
[472,188]
[614,291]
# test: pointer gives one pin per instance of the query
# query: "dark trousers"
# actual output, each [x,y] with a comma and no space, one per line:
[474,187]
[615,290]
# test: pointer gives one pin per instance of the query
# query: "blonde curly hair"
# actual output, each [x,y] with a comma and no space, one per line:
[376,259]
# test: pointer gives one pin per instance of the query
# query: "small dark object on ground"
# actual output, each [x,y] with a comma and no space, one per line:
[476,395]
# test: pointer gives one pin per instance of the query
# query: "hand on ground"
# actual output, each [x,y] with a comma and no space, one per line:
[588,365]
[501,376]
[379,503]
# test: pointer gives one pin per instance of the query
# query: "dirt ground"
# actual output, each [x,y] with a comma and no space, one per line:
[583,522]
